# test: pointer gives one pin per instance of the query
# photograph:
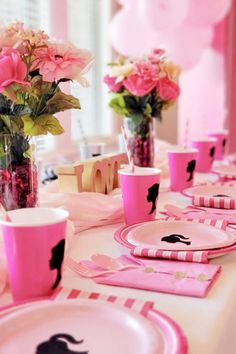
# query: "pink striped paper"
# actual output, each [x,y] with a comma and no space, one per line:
[187,256]
[138,305]
[214,202]
[210,201]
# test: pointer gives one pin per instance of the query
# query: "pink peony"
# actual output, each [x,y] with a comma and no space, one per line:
[167,89]
[63,61]
[12,68]
[138,85]
[144,79]
[111,83]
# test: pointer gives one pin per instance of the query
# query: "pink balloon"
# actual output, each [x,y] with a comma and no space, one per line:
[129,36]
[163,14]
[186,44]
[207,12]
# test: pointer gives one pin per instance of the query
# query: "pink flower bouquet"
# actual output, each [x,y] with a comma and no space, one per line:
[32,67]
[143,86]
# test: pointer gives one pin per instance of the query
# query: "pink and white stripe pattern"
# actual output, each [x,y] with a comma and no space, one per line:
[138,305]
[187,256]
[214,202]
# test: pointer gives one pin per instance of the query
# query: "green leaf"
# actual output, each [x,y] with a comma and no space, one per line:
[42,125]
[13,124]
[61,102]
[148,110]
[119,105]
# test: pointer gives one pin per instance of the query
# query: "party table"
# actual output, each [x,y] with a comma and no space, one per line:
[208,323]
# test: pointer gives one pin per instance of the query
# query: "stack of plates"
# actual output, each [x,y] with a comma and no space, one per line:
[175,236]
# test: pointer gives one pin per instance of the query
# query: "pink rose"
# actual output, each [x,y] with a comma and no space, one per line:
[144,79]
[167,90]
[12,68]
[111,83]
[138,85]
[63,61]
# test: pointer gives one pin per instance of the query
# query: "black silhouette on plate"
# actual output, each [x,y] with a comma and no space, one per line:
[56,260]
[174,238]
[190,169]
[152,196]
[221,195]
[57,346]
[212,153]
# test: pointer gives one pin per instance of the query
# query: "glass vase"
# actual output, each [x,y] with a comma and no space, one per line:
[140,135]
[18,172]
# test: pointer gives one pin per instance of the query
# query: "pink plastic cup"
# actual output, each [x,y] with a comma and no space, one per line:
[182,163]
[34,243]
[140,193]
[206,152]
[220,144]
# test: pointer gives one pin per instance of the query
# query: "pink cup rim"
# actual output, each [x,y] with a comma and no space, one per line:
[63,217]
[204,140]
[182,151]
[219,132]
[140,171]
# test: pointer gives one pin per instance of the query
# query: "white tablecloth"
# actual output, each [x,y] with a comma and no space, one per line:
[208,323]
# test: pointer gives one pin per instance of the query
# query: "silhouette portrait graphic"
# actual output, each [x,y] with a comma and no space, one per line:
[57,345]
[223,144]
[56,260]
[190,169]
[174,238]
[152,196]
[212,153]
[221,195]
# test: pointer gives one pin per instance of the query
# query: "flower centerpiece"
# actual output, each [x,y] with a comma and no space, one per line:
[141,88]
[31,69]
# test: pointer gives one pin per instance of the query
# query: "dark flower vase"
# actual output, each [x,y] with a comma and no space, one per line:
[18,173]
[140,136]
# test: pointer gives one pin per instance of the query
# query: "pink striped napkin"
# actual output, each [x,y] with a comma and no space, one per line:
[214,202]
[219,202]
[202,256]
[138,305]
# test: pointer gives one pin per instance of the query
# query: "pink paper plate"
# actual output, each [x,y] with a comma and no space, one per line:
[101,327]
[226,171]
[179,236]
[212,190]
[121,237]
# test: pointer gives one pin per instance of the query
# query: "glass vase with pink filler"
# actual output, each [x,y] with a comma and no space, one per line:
[32,67]
[141,88]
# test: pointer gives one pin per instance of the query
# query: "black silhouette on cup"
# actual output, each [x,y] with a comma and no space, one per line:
[190,169]
[223,144]
[174,238]
[56,260]
[57,345]
[212,153]
[153,192]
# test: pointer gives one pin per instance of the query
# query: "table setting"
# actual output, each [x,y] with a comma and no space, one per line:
[124,253]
